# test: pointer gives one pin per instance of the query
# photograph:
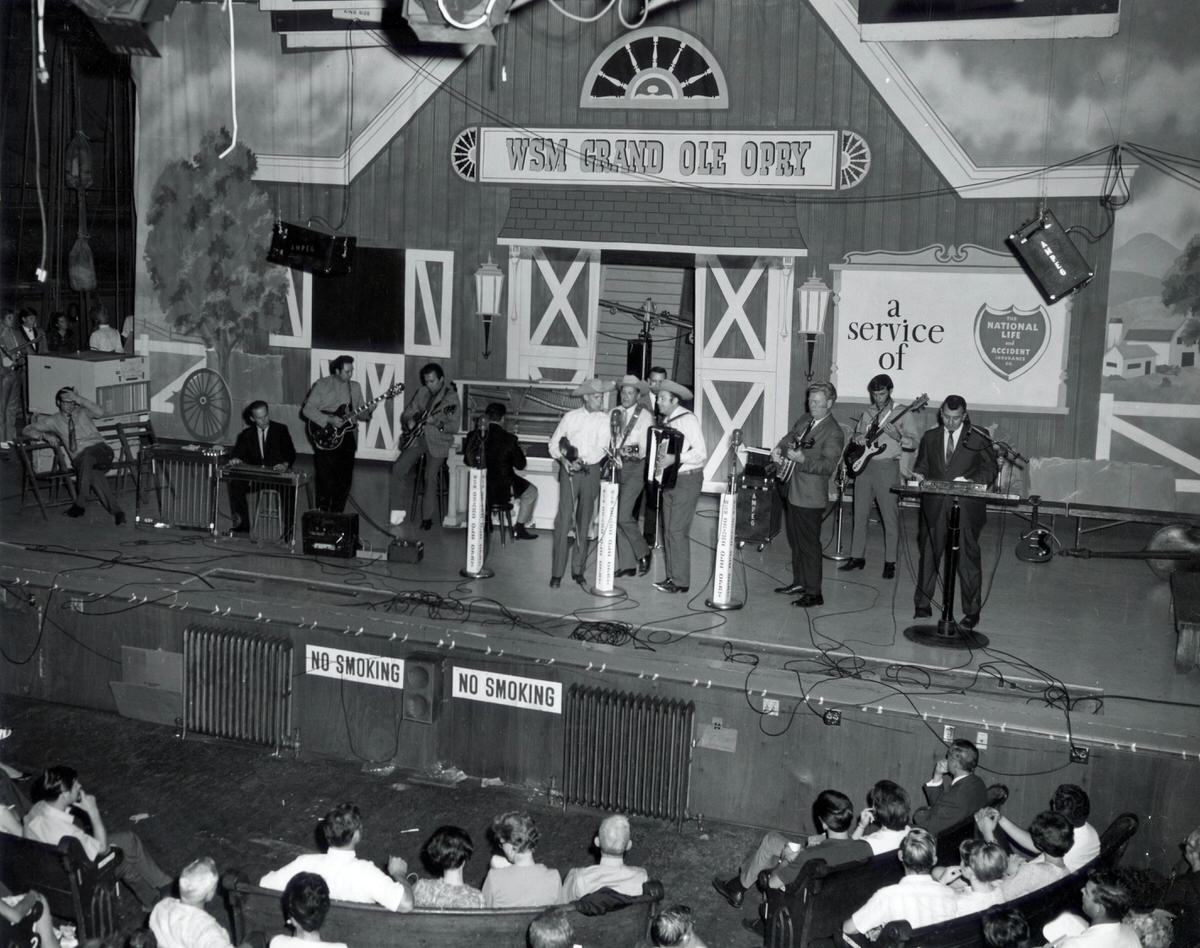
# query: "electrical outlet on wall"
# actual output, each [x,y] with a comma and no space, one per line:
[770,706]
[981,739]
[832,717]
[947,732]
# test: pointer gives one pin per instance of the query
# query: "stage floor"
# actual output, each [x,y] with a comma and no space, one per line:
[1078,647]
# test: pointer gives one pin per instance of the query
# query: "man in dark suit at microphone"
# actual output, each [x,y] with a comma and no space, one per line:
[263,443]
[952,451]
[503,457]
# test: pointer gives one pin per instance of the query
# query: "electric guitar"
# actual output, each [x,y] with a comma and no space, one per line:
[329,436]
[417,427]
[858,456]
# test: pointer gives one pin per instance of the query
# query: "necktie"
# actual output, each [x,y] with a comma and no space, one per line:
[262,444]
[949,446]
[71,445]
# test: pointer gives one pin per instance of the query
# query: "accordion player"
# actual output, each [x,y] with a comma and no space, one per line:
[663,441]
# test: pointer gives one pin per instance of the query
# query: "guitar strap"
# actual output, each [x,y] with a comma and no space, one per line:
[629,426]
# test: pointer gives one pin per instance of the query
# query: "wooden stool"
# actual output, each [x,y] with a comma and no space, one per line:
[418,494]
[502,514]
[268,510]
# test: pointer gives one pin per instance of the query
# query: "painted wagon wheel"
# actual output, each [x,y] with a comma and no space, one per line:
[205,403]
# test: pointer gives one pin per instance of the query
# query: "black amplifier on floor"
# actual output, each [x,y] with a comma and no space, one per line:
[329,534]
[405,551]
[759,510]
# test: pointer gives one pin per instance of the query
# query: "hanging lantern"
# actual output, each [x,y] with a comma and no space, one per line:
[489,283]
[78,163]
[813,297]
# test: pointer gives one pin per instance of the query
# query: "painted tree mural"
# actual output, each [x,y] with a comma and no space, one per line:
[1181,290]
[206,251]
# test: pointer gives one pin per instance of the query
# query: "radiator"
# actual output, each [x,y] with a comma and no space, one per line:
[237,685]
[626,752]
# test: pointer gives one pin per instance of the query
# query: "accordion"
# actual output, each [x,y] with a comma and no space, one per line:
[663,441]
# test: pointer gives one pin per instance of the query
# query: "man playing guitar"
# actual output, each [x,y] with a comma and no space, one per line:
[429,426]
[327,401]
[882,472]
[679,502]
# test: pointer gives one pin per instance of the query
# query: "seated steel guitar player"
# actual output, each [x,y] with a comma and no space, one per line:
[262,443]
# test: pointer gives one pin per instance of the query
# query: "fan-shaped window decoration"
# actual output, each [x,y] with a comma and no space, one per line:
[464,153]
[659,68]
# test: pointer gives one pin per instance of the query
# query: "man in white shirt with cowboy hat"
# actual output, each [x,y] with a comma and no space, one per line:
[578,444]
[679,502]
[633,553]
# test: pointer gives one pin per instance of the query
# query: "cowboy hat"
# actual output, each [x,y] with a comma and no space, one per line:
[592,387]
[676,389]
[634,382]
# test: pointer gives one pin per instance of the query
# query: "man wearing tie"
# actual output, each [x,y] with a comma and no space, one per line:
[263,443]
[578,444]
[953,451]
[814,445]
[679,502]
[633,553]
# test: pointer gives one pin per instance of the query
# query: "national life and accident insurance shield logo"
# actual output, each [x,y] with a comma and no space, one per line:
[1011,340]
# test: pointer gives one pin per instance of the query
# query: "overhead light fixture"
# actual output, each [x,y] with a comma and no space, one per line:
[813,296]
[489,284]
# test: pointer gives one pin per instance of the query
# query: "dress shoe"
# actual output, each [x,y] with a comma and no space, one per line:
[889,570]
[922,612]
[808,600]
[74,511]
[795,589]
[969,621]
[667,586]
[643,566]
[626,572]
[580,578]
[426,524]
[730,890]
[853,563]
[522,532]
[555,582]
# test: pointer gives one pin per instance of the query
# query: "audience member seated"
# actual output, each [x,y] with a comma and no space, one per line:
[9,822]
[551,929]
[614,841]
[982,868]
[1005,927]
[1106,901]
[183,922]
[1052,836]
[1182,895]
[515,879]
[447,851]
[674,928]
[833,814]
[13,908]
[1072,802]
[55,792]
[954,792]
[885,819]
[917,898]
[141,938]
[305,903]
[350,879]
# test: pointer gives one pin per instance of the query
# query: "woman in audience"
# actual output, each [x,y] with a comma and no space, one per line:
[982,868]
[551,929]
[516,879]
[1052,836]
[448,850]
[889,811]
[1005,928]
[306,903]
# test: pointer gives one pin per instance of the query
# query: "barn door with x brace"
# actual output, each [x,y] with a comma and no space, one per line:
[743,353]
[553,293]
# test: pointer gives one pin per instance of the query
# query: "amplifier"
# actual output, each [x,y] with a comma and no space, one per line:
[406,551]
[329,534]
[304,249]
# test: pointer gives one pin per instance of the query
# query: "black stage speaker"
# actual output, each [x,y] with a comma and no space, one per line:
[422,689]
[638,357]
[303,249]
[329,534]
[1046,253]
[759,510]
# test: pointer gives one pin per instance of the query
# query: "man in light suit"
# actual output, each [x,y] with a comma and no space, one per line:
[952,451]
[815,445]
[262,443]
[431,419]
[955,791]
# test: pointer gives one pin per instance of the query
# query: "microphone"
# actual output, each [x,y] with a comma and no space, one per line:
[735,439]
[616,419]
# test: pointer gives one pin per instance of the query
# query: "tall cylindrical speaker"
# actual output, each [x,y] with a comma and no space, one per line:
[422,690]
[639,355]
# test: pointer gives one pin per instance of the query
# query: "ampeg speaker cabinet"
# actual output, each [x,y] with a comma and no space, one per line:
[405,551]
[1048,256]
[759,511]
[304,249]
[329,534]
[422,690]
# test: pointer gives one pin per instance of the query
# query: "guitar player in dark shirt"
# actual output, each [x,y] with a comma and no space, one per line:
[334,468]
[262,443]
[429,421]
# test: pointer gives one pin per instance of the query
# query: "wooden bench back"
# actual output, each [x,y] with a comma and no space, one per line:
[372,926]
[74,886]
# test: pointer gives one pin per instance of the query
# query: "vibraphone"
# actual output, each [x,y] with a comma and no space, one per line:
[183,487]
